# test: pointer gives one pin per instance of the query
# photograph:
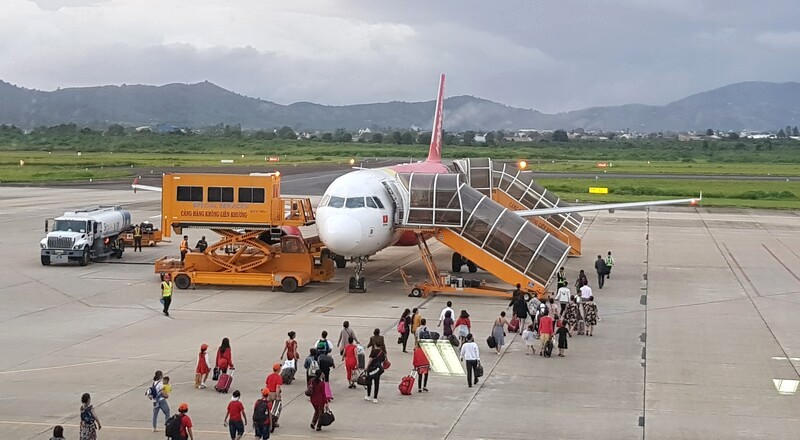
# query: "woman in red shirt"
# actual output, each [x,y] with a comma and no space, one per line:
[463,326]
[318,399]
[290,349]
[422,365]
[201,372]
[224,359]
[350,360]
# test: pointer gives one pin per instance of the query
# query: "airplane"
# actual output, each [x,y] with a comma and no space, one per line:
[357,214]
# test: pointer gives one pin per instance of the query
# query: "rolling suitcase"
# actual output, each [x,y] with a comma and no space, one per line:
[513,326]
[328,392]
[224,383]
[407,384]
[548,348]
[275,414]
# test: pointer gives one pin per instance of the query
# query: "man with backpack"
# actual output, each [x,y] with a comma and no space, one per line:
[323,345]
[311,364]
[179,426]
[325,364]
[261,416]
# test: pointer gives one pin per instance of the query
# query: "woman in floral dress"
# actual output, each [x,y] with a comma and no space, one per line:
[591,315]
[89,421]
[572,314]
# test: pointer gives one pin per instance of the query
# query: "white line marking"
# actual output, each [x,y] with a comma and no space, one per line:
[60,367]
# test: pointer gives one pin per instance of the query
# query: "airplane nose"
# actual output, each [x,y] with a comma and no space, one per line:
[341,234]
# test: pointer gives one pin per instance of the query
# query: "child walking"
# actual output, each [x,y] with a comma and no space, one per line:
[562,333]
[530,338]
[201,372]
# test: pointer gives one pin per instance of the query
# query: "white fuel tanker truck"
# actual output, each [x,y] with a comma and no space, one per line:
[83,235]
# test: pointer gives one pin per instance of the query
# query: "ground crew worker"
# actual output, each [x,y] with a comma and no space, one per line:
[166,293]
[137,238]
[562,278]
[609,264]
[202,244]
[184,247]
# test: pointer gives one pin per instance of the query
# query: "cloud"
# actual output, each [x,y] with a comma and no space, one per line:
[780,40]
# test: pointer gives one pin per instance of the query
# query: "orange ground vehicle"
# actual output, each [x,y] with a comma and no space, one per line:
[248,213]
[151,235]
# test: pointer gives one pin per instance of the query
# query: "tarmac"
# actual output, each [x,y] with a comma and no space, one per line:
[698,321]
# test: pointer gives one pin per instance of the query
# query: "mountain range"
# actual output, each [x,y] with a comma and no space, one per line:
[745,105]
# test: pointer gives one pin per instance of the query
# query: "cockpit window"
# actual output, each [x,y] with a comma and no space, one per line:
[378,202]
[355,202]
[336,202]
[324,201]
[371,203]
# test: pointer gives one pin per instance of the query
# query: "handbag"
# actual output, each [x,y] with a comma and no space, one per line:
[326,418]
[386,364]
[479,370]
[310,388]
[362,379]
[215,375]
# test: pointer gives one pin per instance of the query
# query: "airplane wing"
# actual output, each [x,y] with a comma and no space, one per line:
[136,185]
[609,206]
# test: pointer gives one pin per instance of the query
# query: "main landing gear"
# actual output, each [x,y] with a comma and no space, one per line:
[459,261]
[358,283]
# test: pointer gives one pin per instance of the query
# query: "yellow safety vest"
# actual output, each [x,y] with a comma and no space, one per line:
[184,245]
[166,288]
[137,231]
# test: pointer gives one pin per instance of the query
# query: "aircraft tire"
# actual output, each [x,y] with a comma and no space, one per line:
[341,263]
[457,262]
[472,267]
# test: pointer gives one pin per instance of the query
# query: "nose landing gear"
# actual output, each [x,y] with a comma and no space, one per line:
[357,283]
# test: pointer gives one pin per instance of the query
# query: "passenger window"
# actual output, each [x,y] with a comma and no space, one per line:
[355,202]
[190,193]
[220,194]
[250,195]
[371,203]
[336,202]
[378,202]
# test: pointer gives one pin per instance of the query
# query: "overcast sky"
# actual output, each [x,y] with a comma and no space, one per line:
[547,55]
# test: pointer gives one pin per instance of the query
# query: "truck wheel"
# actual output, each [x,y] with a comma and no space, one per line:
[182,281]
[289,284]
[457,262]
[472,267]
[84,257]
[45,260]
[416,293]
[341,263]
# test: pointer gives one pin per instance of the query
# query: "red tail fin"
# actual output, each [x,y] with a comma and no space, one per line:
[435,152]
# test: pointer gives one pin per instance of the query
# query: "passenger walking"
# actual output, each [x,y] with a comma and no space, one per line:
[350,361]
[235,417]
[582,280]
[545,331]
[184,247]
[447,324]
[311,364]
[448,308]
[471,355]
[167,387]
[572,314]
[156,394]
[166,293]
[185,431]
[344,337]
[290,348]
[374,371]
[201,372]
[422,332]
[261,416]
[58,433]
[562,278]
[273,383]
[554,309]
[376,341]
[224,359]
[520,312]
[463,326]
[586,293]
[318,399]
[600,267]
[529,336]
[137,238]
[562,333]
[323,345]
[609,264]
[416,321]
[562,295]
[499,332]
[422,365]
[90,424]
[404,328]
[590,309]
[326,364]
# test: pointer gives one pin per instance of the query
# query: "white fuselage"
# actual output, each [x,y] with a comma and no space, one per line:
[356,214]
